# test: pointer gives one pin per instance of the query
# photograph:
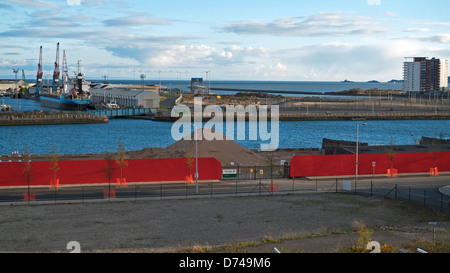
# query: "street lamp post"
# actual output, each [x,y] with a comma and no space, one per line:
[196,159]
[357,148]
[16,93]
[209,82]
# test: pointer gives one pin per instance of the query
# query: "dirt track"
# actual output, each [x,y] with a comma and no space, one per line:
[177,225]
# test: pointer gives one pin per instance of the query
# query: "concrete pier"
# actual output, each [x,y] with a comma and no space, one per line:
[14,119]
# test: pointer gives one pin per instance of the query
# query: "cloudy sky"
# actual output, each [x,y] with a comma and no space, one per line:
[292,40]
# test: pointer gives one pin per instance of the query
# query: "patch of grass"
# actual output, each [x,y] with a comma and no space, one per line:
[242,247]
[439,246]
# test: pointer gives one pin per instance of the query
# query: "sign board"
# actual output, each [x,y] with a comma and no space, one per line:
[346,185]
[229,173]
[374,164]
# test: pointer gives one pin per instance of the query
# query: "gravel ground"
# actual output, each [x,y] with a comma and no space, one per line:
[177,225]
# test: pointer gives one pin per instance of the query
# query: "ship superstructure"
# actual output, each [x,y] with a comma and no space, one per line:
[71,94]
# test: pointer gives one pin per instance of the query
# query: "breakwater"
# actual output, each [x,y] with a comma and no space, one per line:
[363,116]
[269,91]
[14,119]
[323,116]
[354,92]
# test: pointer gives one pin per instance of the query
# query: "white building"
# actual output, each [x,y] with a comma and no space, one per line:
[421,74]
[126,98]
[443,77]
[411,76]
[10,85]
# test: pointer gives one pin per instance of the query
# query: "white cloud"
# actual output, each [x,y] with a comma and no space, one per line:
[184,55]
[417,30]
[374,2]
[339,61]
[440,24]
[390,14]
[136,21]
[321,24]
[74,2]
[438,38]
[34,4]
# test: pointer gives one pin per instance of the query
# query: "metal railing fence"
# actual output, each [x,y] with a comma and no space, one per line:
[429,197]
[423,196]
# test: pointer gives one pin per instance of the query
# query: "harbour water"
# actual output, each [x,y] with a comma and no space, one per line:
[139,134]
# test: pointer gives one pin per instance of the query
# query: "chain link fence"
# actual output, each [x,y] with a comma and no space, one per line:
[424,196]
[140,191]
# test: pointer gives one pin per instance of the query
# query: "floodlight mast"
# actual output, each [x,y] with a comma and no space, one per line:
[39,75]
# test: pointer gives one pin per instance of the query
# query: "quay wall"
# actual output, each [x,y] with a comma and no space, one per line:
[334,165]
[90,172]
[324,115]
[50,119]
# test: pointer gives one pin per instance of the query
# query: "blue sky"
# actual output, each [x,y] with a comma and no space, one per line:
[292,40]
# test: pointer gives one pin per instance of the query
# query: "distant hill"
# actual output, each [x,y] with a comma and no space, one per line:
[395,81]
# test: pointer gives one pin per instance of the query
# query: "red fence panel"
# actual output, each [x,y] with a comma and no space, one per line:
[332,165]
[93,171]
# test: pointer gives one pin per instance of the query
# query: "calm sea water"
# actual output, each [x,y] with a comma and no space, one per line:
[139,134]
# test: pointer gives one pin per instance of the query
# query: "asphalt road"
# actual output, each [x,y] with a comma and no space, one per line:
[417,189]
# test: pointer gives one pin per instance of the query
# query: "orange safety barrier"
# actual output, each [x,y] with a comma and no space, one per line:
[109,193]
[189,179]
[434,171]
[29,197]
[54,185]
[392,172]
[121,182]
[273,187]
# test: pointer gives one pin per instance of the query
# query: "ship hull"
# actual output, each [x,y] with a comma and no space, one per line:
[63,103]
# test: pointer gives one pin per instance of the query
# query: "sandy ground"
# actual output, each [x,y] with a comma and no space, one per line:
[177,225]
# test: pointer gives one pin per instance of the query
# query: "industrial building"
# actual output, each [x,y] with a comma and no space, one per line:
[10,85]
[423,145]
[125,97]
[425,75]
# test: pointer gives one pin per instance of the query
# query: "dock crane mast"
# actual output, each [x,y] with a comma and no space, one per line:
[65,75]
[40,73]
[24,84]
[56,72]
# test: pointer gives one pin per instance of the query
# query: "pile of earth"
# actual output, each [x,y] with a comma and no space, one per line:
[226,151]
